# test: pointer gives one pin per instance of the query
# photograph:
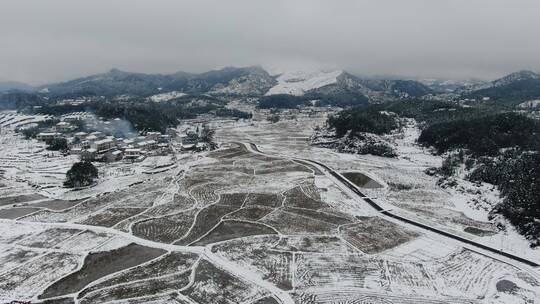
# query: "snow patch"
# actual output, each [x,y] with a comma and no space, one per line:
[299,82]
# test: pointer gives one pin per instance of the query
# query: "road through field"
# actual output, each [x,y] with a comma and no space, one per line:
[494,253]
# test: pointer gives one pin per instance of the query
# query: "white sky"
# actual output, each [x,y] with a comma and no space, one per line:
[52,40]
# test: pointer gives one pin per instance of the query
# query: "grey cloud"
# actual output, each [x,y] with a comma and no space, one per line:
[45,41]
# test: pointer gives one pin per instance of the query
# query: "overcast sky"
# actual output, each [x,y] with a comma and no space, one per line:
[53,40]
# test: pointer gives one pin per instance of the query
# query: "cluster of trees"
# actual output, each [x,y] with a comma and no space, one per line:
[483,135]
[501,148]
[517,175]
[148,116]
[286,101]
[362,119]
[81,174]
[511,93]
[57,144]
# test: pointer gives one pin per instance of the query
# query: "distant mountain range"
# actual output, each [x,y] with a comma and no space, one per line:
[15,86]
[248,81]
[255,81]
[511,89]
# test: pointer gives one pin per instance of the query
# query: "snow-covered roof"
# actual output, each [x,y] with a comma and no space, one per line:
[103,141]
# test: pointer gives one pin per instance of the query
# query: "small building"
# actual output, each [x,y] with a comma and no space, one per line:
[45,136]
[64,127]
[92,138]
[152,135]
[132,153]
[102,146]
[171,132]
[80,135]
[88,155]
[164,138]
[147,145]
[97,134]
[112,156]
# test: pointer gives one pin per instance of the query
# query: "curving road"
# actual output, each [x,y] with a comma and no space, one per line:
[344,181]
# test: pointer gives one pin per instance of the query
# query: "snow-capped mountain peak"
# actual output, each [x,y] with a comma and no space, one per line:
[299,82]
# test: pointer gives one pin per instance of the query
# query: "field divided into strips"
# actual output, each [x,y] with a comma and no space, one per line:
[254,221]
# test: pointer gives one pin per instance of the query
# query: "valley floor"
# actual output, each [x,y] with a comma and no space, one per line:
[237,226]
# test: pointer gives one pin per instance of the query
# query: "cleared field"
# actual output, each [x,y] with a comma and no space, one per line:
[315,244]
[111,216]
[25,281]
[11,257]
[257,255]
[291,223]
[57,204]
[100,264]
[252,213]
[13,213]
[49,238]
[295,197]
[20,199]
[221,287]
[344,271]
[148,287]
[264,199]
[373,234]
[362,296]
[174,262]
[206,219]
[165,229]
[179,203]
[227,230]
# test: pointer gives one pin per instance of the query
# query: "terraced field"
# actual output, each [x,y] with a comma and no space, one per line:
[234,226]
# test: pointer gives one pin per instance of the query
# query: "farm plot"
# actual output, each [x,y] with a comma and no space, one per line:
[166,229]
[11,257]
[227,230]
[84,241]
[99,264]
[292,223]
[256,253]
[25,281]
[13,213]
[178,203]
[19,199]
[174,262]
[351,271]
[206,219]
[465,272]
[223,288]
[252,213]
[147,287]
[295,197]
[57,204]
[264,199]
[362,296]
[111,216]
[314,244]
[48,238]
[373,234]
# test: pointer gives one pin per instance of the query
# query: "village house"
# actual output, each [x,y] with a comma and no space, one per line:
[45,136]
[102,146]
[64,127]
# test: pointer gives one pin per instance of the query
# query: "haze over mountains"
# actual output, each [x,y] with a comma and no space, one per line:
[256,81]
